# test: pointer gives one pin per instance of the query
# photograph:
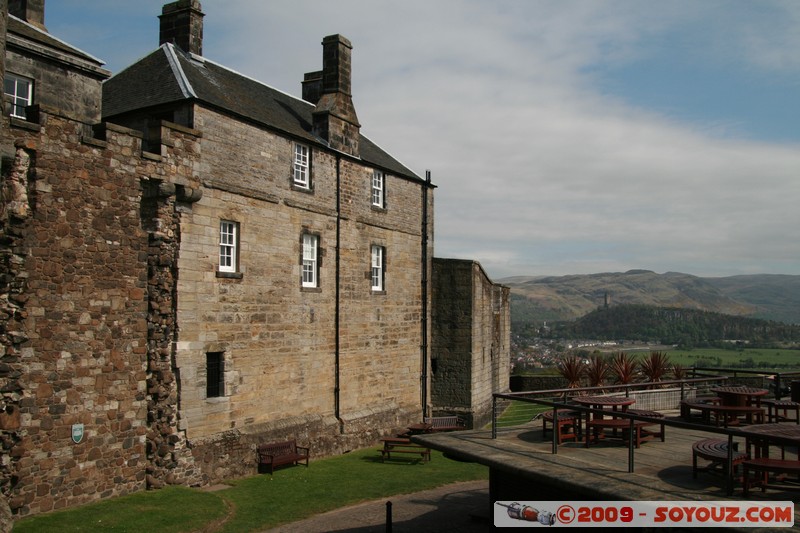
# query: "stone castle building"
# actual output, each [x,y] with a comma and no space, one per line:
[199,264]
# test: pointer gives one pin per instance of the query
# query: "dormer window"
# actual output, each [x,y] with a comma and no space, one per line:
[20,93]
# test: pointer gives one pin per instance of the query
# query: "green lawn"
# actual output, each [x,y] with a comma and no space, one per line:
[754,357]
[261,502]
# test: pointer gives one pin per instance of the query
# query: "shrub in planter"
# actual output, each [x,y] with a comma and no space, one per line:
[624,368]
[655,366]
[572,369]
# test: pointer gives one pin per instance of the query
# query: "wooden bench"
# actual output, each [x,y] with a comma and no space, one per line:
[716,451]
[403,445]
[728,414]
[281,453]
[568,425]
[616,424]
[765,466]
[445,423]
[647,434]
[778,410]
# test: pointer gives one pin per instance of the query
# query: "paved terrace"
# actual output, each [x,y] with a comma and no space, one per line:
[523,467]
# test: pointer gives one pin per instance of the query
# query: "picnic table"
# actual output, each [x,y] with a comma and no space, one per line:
[761,437]
[598,421]
[740,396]
[737,396]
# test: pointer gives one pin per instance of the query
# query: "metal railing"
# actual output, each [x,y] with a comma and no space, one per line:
[557,399]
[780,381]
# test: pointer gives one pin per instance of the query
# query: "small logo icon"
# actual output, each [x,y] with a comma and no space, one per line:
[529,514]
[77,433]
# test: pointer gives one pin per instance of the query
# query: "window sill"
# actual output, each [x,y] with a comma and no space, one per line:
[378,293]
[310,289]
[217,399]
[301,188]
[229,275]
[25,124]
[379,208]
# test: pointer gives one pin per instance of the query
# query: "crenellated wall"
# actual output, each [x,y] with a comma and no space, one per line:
[77,386]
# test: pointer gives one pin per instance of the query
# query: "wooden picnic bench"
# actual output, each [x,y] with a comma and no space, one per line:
[765,465]
[716,451]
[778,410]
[281,453]
[445,423]
[727,414]
[568,424]
[594,428]
[646,433]
[403,445]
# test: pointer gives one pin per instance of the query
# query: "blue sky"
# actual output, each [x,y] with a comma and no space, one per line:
[565,137]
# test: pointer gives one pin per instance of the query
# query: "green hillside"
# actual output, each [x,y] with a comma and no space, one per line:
[535,300]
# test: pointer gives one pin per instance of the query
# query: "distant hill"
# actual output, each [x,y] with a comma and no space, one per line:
[556,298]
[686,327]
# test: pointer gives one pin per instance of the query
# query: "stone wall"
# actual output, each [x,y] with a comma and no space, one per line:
[77,290]
[339,353]
[470,357]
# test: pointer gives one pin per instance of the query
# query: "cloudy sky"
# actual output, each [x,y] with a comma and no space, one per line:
[565,137]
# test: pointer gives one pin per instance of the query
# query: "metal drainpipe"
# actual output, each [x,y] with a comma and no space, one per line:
[337,312]
[424,377]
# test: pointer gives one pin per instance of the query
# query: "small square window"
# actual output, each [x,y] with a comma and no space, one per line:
[228,246]
[20,92]
[378,188]
[378,270]
[215,374]
[310,276]
[301,166]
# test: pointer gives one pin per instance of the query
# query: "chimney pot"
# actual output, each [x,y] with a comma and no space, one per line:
[181,23]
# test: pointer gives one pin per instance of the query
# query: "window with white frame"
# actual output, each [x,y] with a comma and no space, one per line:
[378,188]
[310,276]
[378,262]
[228,246]
[301,166]
[20,92]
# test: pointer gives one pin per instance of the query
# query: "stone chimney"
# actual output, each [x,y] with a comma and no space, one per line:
[312,87]
[335,117]
[182,25]
[31,11]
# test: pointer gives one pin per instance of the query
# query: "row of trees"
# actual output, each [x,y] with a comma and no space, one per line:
[621,368]
[685,327]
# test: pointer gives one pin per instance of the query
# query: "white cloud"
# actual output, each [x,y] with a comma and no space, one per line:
[541,167]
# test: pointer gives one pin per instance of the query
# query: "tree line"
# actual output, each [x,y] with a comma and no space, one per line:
[687,328]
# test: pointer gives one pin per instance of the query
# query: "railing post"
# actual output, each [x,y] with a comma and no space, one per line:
[494,416]
[729,470]
[630,447]
[778,391]
[389,517]
[556,430]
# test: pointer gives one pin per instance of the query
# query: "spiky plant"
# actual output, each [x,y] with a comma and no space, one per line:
[597,371]
[679,371]
[624,367]
[572,369]
[655,366]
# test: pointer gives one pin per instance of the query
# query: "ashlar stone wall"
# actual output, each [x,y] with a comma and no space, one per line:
[335,367]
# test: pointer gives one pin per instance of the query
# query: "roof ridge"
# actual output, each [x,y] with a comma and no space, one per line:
[177,69]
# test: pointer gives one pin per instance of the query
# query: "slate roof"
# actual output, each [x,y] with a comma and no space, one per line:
[183,77]
[31,33]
